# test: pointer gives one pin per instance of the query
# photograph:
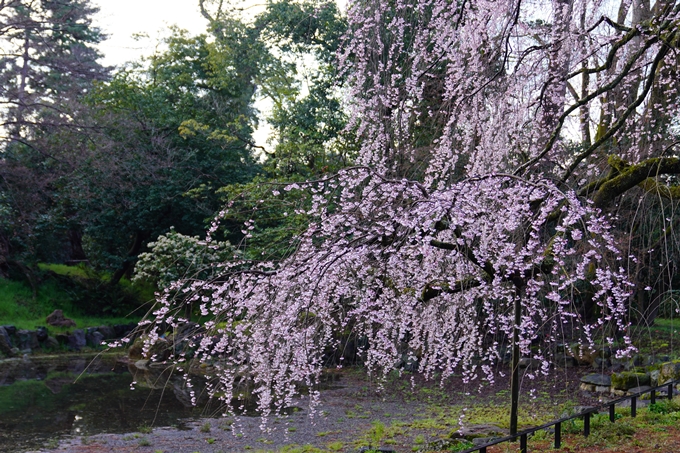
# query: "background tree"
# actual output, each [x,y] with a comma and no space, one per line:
[97,167]
[170,135]
[298,41]
[48,64]
[307,115]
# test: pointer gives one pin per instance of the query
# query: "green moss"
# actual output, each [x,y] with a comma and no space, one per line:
[629,380]
[629,176]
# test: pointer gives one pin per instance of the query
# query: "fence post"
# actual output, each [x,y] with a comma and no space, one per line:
[652,399]
[633,406]
[523,443]
[586,424]
[612,413]
[558,434]
[514,378]
[670,391]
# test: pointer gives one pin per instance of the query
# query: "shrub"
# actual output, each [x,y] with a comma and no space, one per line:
[174,256]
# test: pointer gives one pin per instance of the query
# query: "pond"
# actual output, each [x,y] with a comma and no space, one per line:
[47,398]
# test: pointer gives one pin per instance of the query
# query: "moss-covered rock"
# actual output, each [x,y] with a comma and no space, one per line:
[628,380]
[160,350]
[669,371]
[136,350]
[583,355]
[654,377]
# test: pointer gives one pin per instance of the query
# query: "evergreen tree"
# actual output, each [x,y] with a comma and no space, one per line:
[49,63]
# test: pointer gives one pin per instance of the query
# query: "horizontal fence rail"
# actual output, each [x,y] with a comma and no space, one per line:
[523,436]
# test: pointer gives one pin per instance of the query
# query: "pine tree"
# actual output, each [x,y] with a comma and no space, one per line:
[49,62]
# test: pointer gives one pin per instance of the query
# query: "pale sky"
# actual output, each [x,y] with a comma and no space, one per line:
[121,19]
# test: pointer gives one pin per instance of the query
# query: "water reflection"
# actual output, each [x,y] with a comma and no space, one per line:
[40,399]
[45,398]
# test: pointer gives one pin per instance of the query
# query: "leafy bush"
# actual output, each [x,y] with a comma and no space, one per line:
[174,256]
[665,406]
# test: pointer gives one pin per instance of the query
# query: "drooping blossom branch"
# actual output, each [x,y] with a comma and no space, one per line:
[432,276]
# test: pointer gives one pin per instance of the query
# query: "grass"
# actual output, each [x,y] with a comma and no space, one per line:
[72,289]
[654,429]
[18,306]
[71,271]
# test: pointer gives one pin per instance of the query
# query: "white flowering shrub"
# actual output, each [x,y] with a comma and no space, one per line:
[175,256]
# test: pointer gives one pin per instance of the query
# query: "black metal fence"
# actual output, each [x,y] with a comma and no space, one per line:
[523,436]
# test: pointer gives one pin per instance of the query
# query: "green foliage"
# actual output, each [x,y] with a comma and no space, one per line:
[377,432]
[275,216]
[310,132]
[166,134]
[460,445]
[607,430]
[303,26]
[190,134]
[310,126]
[145,429]
[335,446]
[162,136]
[49,64]
[665,406]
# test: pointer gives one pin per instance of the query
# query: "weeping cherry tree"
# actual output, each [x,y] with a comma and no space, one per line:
[494,136]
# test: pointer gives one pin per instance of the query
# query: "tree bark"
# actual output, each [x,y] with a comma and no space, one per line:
[629,176]
[135,248]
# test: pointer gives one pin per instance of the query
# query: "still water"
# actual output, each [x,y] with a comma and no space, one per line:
[42,399]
